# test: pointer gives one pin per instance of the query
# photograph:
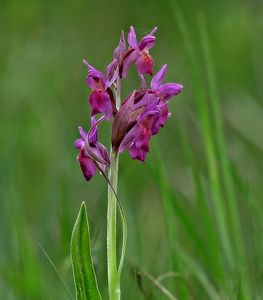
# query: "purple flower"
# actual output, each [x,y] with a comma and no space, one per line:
[101,99]
[92,154]
[139,53]
[136,141]
[133,125]
[164,92]
[142,115]
[167,90]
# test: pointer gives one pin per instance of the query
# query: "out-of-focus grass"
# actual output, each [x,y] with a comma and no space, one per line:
[194,209]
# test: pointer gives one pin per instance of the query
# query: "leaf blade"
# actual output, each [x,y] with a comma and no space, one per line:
[83,271]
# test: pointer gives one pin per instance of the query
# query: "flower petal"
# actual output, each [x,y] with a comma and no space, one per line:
[137,153]
[169,90]
[143,82]
[87,165]
[153,31]
[133,55]
[142,139]
[140,146]
[122,121]
[149,101]
[94,153]
[100,103]
[136,141]
[79,143]
[93,71]
[121,48]
[93,133]
[132,39]
[147,42]
[104,153]
[145,64]
[110,69]
[95,78]
[158,78]
[164,114]
[113,78]
[83,133]
[128,139]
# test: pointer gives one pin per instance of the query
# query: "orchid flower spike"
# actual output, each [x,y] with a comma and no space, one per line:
[141,114]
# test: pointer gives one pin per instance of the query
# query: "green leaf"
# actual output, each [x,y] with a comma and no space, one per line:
[83,271]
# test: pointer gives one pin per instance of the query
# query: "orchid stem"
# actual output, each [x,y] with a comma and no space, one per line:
[113,278]
[113,281]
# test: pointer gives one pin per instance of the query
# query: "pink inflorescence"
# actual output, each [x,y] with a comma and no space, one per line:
[140,115]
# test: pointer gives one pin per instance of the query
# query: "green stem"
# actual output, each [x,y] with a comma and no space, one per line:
[113,278]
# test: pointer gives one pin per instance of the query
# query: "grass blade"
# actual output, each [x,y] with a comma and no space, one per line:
[55,270]
[237,236]
[208,134]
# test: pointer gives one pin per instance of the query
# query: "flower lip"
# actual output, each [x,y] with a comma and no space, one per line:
[101,103]
[145,63]
[87,165]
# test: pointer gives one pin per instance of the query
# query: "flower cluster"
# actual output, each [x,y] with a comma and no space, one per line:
[139,116]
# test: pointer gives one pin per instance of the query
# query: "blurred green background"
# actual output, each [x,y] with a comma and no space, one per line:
[195,207]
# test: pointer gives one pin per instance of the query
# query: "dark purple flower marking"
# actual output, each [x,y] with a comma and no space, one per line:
[92,155]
